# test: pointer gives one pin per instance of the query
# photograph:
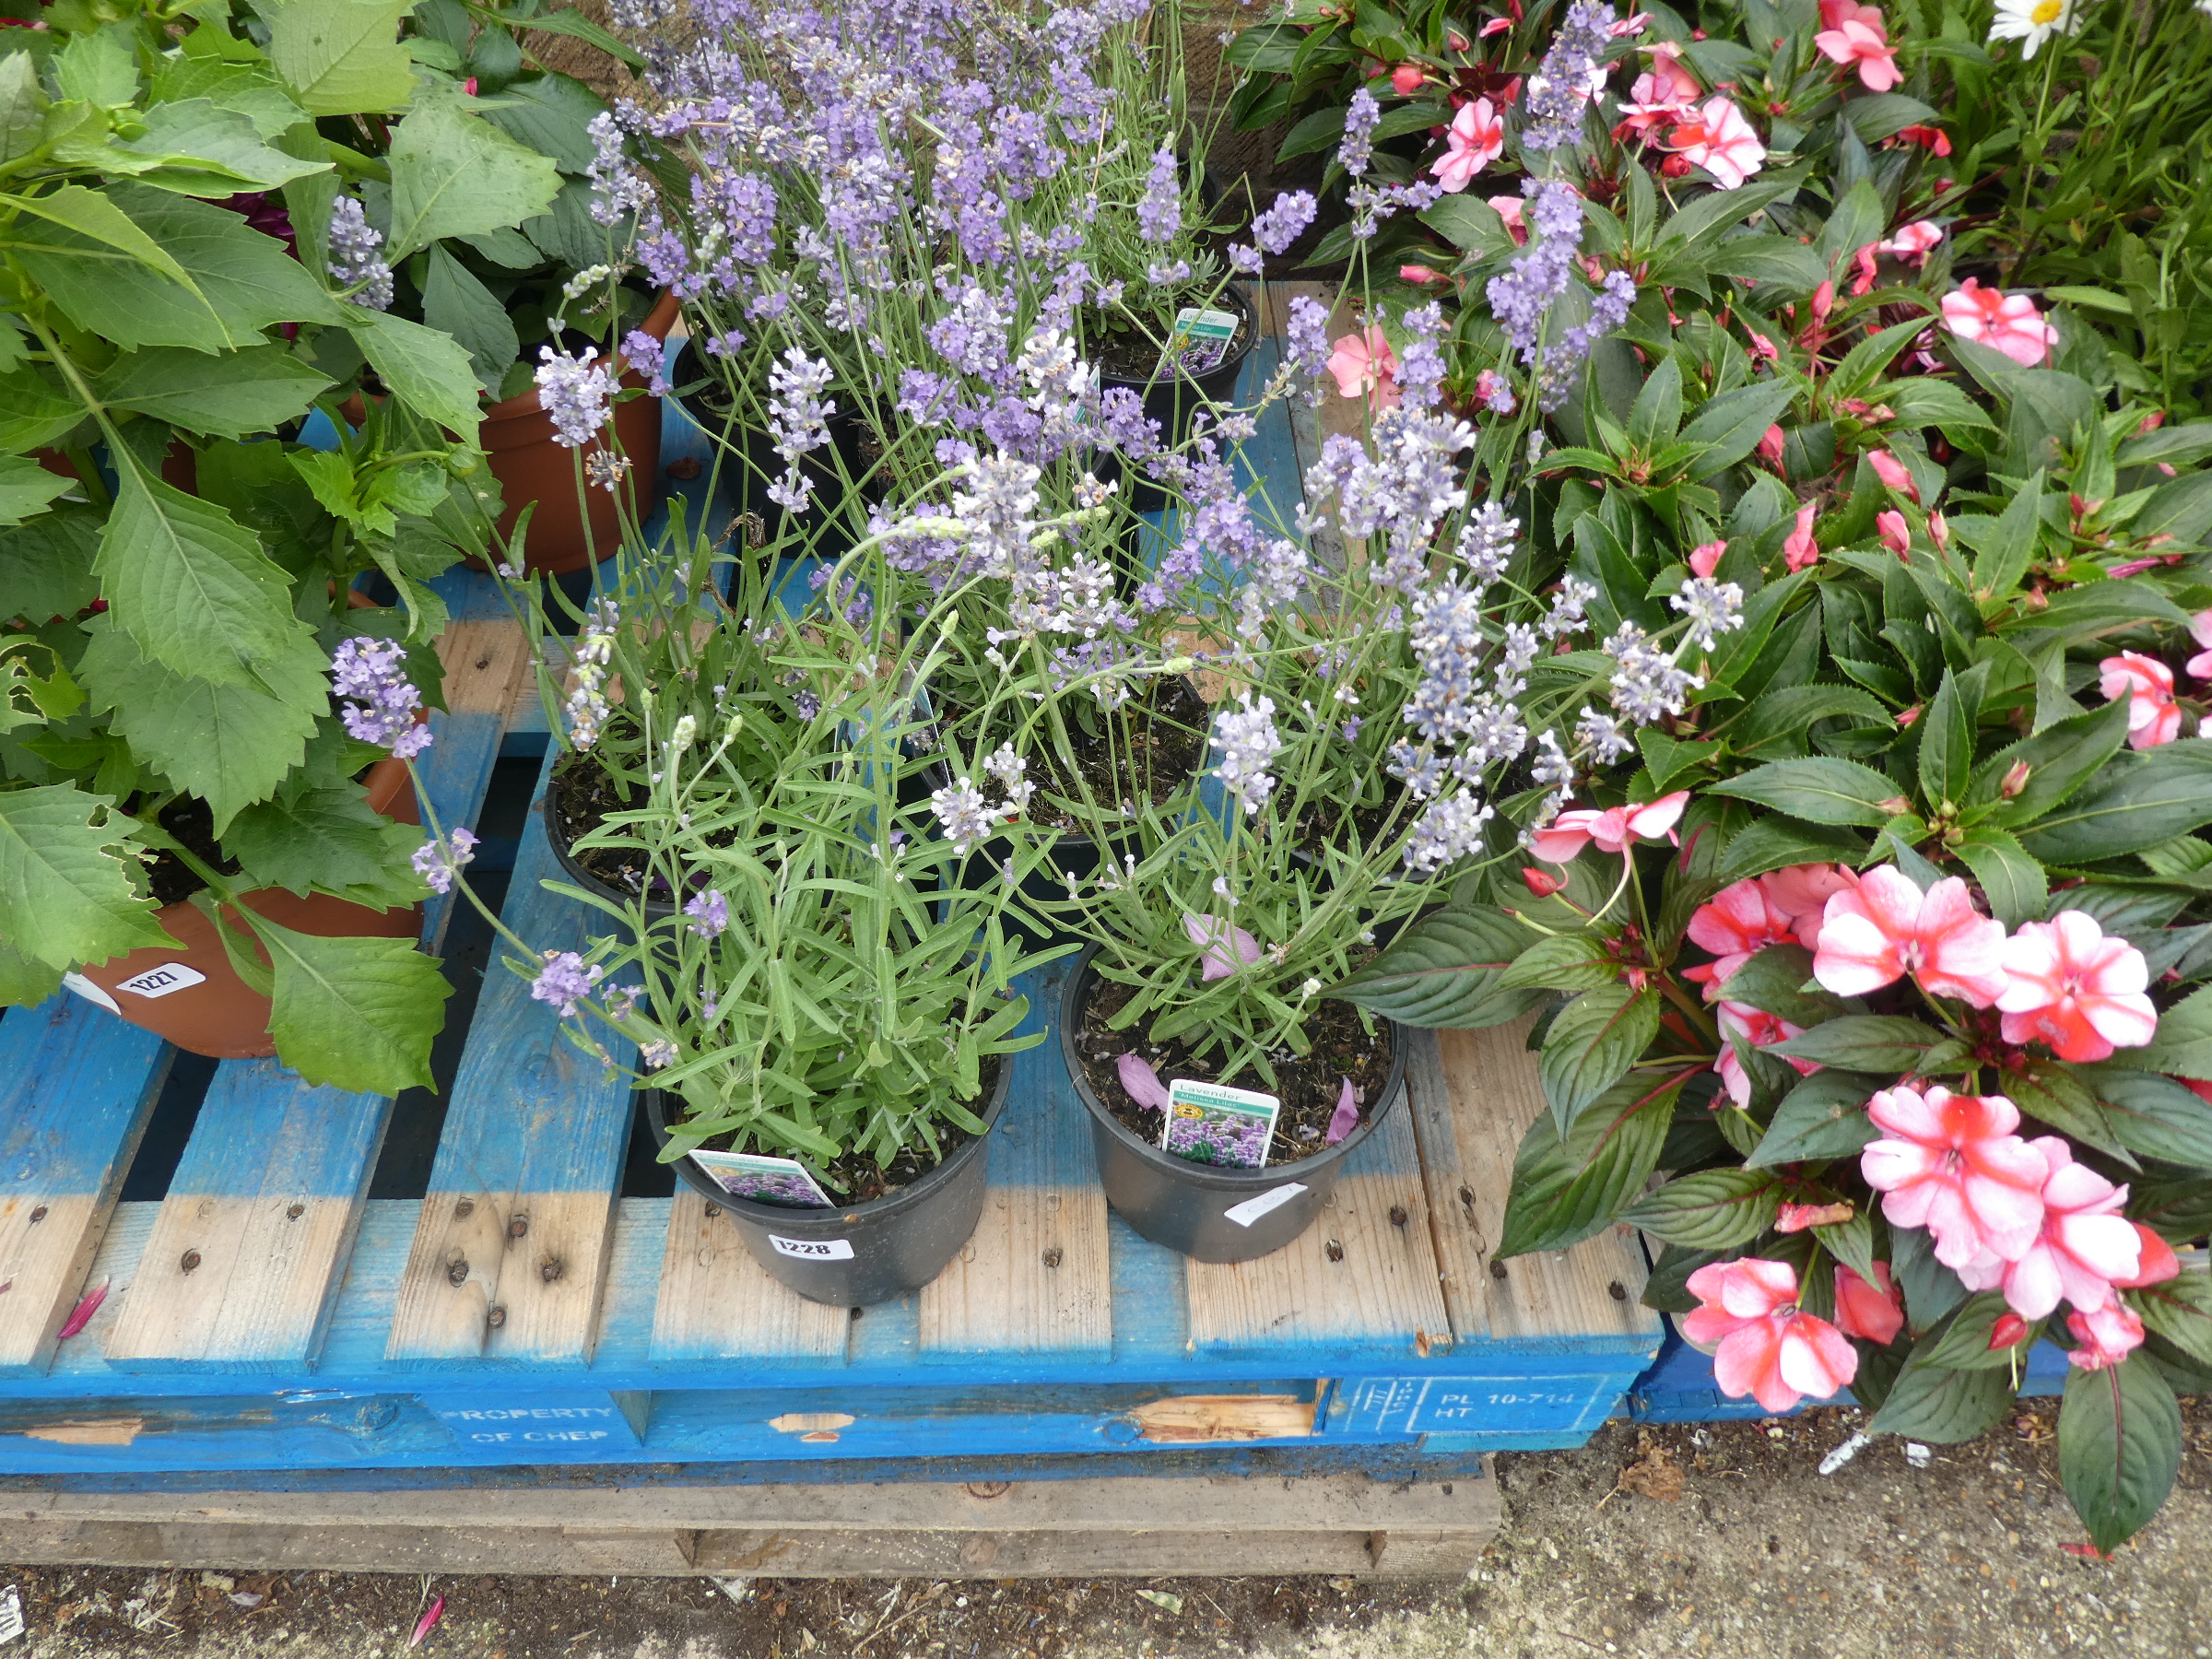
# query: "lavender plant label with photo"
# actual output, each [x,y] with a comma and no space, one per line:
[785,1181]
[1209,1123]
[1202,338]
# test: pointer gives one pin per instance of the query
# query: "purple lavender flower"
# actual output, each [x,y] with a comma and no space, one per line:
[1249,743]
[640,350]
[1358,143]
[1159,212]
[618,187]
[1246,261]
[1309,340]
[1284,222]
[565,982]
[355,262]
[1447,831]
[710,913]
[371,673]
[573,391]
[438,865]
[797,414]
[1571,75]
[658,1054]
[1422,364]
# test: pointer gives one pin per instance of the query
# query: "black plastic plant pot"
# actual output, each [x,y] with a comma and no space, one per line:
[870,1253]
[1207,1212]
[1174,397]
[655,909]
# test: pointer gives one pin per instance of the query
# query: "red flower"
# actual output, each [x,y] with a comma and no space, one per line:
[1883,928]
[1705,557]
[1891,471]
[2075,989]
[2007,1331]
[2085,1248]
[1761,1030]
[2107,1334]
[1735,924]
[1762,1343]
[1866,45]
[1615,830]
[1801,892]
[1407,78]
[2007,323]
[2153,717]
[2158,1263]
[1873,1312]
[1897,535]
[1927,137]
[1952,1164]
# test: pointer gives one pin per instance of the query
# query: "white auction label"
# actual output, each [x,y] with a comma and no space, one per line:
[11,1614]
[90,992]
[1274,1198]
[812,1249]
[161,981]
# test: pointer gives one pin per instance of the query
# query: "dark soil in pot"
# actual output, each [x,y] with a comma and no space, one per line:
[1209,1212]
[867,1250]
[580,796]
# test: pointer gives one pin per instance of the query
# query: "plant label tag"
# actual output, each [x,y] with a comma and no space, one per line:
[784,1182]
[1202,338]
[161,981]
[11,1614]
[1274,1198]
[90,992]
[812,1249]
[1212,1124]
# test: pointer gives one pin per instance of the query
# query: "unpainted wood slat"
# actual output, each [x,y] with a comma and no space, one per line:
[1474,1093]
[716,1300]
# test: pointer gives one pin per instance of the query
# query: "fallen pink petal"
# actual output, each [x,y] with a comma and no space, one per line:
[1142,1082]
[1346,1118]
[427,1623]
[81,1315]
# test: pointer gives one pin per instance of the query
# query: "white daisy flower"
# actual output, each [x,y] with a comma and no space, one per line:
[2031,22]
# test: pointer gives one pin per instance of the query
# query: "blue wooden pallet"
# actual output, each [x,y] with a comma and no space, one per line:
[266,1315]
[1680,1388]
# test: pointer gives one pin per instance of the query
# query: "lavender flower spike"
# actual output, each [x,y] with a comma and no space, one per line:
[573,391]
[354,260]
[1571,75]
[565,982]
[439,863]
[1284,222]
[1358,145]
[710,913]
[370,675]
[1159,213]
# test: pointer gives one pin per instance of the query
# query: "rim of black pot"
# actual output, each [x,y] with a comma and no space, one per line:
[657,909]
[1213,1175]
[914,1192]
[1234,293]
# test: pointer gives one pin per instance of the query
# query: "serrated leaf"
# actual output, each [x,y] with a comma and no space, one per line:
[1820,789]
[2060,758]
[429,371]
[1823,1117]
[205,150]
[66,893]
[2009,548]
[1709,1211]
[1565,1190]
[93,217]
[2119,1447]
[356,1013]
[455,174]
[2018,890]
[1867,1042]
[2153,1114]
[1947,741]
[456,303]
[1776,843]
[2136,802]
[2179,1310]
[341,57]
[1564,962]
[2184,1042]
[1444,970]
[1733,424]
[257,391]
[327,838]
[46,565]
[25,488]
[1852,1243]
[1591,1044]
[1929,1402]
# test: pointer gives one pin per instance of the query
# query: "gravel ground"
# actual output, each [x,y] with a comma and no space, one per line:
[1720,1540]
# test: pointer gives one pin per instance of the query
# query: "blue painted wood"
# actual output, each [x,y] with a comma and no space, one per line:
[262,1132]
[75,1086]
[456,771]
[1679,1387]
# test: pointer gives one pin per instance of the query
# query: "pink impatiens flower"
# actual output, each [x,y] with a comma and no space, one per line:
[1508,207]
[1865,44]
[1364,365]
[1913,241]
[2075,989]
[1799,550]
[2200,630]
[1762,1343]
[1666,92]
[1705,557]
[1735,924]
[1873,1312]
[2153,717]
[1897,534]
[2086,1244]
[1892,472]
[2107,1334]
[1801,892]
[1952,1164]
[2006,322]
[1722,141]
[1883,928]
[1477,137]
[1761,1030]
[1615,830]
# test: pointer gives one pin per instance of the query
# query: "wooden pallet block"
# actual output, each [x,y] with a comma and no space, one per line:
[1218,1526]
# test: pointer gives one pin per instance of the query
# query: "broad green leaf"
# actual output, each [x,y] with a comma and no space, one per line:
[1775,979]
[34,409]
[356,1013]
[326,838]
[2058,759]
[456,303]
[208,151]
[550,114]
[1733,423]
[1789,714]
[1947,742]
[2183,1043]
[1775,843]
[2119,1447]
[341,57]
[248,89]
[231,745]
[571,22]
[2181,508]
[1783,261]
[2153,1114]
[65,892]
[2009,547]
[1444,970]
[99,67]
[257,390]
[1864,363]
[20,102]
[1591,1044]
[25,488]
[2136,802]
[1823,1117]
[46,565]
[23,982]
[1963,1342]
[1567,1190]
[429,371]
[1931,1289]
[1929,1402]
[1563,962]
[2092,610]
[2017,887]
[1869,1042]
[1657,413]
[1884,115]
[96,219]
[192,587]
[1852,1243]
[1713,1210]
[1821,789]
[2181,1310]
[454,174]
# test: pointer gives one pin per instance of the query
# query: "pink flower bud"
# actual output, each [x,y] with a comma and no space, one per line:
[1405,80]
[2008,1332]
[2015,780]
[1542,884]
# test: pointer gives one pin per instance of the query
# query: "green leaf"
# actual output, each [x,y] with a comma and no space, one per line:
[456,303]
[2136,802]
[23,982]
[66,892]
[1444,970]
[257,390]
[1733,424]
[1775,843]
[1852,1243]
[34,410]
[96,219]
[1657,412]
[573,23]
[248,89]
[1962,1342]
[1884,115]
[20,102]
[2184,1042]
[46,565]
[25,488]
[2009,548]
[1783,261]
[2119,1447]
[2181,508]
[231,745]
[455,174]
[2181,1310]
[1713,1210]
[341,57]
[1869,1042]
[552,115]
[2017,887]
[1789,714]
[2060,758]
[1821,789]
[1591,1044]
[356,1013]
[1564,962]
[208,151]
[2153,1114]
[192,589]
[1947,741]
[429,371]
[327,838]
[1931,1289]
[1823,1117]
[1775,979]
[1566,1190]
[1929,1402]
[99,67]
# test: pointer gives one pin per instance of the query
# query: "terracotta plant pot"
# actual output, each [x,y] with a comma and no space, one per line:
[518,436]
[179,465]
[194,998]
